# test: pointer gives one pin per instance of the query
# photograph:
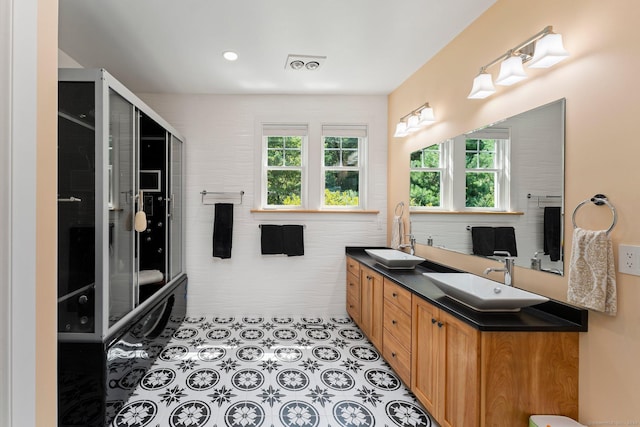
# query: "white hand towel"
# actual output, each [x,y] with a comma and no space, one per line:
[592,274]
[397,230]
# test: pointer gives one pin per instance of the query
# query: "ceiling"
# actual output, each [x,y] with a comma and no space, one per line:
[371,46]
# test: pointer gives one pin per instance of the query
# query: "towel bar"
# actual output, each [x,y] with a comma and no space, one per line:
[225,194]
[598,200]
[303,225]
[541,198]
[401,206]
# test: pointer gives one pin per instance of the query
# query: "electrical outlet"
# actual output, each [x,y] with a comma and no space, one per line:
[629,259]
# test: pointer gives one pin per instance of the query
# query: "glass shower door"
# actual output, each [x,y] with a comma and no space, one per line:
[121,205]
[176,209]
[76,207]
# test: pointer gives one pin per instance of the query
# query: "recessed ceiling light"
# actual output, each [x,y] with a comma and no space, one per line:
[312,65]
[296,65]
[230,55]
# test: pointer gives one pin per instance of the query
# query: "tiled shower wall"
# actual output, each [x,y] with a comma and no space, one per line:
[222,153]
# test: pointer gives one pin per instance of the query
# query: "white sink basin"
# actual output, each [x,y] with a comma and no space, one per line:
[393,259]
[483,294]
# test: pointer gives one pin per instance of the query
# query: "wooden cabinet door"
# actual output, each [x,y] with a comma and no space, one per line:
[372,293]
[353,298]
[459,376]
[424,354]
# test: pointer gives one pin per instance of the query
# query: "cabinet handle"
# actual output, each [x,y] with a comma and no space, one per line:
[440,324]
[393,322]
[394,295]
[393,355]
[433,320]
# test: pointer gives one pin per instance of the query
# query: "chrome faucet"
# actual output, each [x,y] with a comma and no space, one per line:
[509,263]
[411,244]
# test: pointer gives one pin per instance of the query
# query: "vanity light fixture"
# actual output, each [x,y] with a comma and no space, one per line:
[482,86]
[415,120]
[542,50]
[401,130]
[511,71]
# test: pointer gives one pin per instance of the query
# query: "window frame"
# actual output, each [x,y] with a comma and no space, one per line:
[501,169]
[284,130]
[443,168]
[344,131]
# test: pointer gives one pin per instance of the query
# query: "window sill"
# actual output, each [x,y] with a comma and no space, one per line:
[434,212]
[317,211]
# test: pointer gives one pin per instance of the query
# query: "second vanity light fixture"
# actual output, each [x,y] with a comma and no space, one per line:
[415,120]
[542,50]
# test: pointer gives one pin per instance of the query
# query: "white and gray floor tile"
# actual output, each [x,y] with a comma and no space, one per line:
[265,372]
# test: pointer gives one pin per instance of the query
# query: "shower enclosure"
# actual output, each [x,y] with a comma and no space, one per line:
[120,231]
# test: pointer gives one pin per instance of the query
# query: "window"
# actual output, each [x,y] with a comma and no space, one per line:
[342,165]
[486,169]
[480,173]
[427,166]
[475,165]
[326,171]
[284,171]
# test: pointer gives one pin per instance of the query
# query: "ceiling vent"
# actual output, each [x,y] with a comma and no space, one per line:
[304,62]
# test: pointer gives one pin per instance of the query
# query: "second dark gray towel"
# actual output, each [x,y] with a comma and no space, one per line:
[282,239]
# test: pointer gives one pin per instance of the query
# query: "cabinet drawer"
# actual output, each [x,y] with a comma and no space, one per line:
[397,356]
[353,267]
[353,307]
[353,286]
[398,324]
[397,295]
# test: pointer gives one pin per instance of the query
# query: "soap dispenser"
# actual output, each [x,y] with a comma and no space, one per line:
[536,263]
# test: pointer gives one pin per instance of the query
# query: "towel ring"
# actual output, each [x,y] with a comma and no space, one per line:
[401,206]
[598,200]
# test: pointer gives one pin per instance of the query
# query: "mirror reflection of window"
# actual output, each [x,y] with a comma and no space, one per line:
[477,163]
[485,176]
[426,173]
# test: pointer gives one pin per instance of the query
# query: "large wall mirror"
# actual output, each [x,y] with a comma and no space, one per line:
[497,188]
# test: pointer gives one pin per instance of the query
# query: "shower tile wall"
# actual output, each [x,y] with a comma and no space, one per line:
[256,371]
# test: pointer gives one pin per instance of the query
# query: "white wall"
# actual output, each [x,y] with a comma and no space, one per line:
[5,209]
[18,247]
[222,153]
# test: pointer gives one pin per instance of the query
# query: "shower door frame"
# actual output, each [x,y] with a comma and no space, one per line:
[103,83]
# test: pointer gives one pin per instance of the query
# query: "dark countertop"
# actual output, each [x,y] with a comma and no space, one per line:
[551,316]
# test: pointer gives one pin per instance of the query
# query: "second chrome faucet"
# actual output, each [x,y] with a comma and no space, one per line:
[509,263]
[411,245]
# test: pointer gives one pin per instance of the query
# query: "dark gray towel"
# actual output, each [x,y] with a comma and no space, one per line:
[271,239]
[293,240]
[506,240]
[483,240]
[222,230]
[552,232]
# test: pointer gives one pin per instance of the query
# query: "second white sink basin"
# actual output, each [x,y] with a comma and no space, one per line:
[394,259]
[483,294]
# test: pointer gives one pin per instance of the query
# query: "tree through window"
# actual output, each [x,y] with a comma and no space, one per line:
[342,164]
[284,147]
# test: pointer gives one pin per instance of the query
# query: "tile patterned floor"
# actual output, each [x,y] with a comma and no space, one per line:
[271,372]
